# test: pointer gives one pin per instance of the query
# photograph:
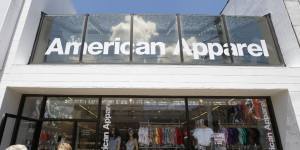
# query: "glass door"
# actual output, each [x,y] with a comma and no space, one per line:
[86,135]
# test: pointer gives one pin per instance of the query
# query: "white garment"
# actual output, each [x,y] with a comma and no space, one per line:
[203,136]
[144,136]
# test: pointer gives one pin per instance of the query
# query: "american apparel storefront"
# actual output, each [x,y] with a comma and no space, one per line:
[153,75]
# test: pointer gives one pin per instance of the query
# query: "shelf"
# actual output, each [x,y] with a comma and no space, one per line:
[239,125]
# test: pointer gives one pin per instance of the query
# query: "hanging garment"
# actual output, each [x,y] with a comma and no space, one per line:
[233,134]
[143,134]
[179,136]
[257,109]
[243,134]
[173,138]
[224,130]
[151,136]
[160,132]
[253,136]
[140,134]
[157,138]
[203,136]
[44,136]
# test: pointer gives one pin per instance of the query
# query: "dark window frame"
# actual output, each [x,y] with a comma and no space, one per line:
[98,120]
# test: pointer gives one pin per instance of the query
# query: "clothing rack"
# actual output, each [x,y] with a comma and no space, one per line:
[238,125]
[161,147]
[148,124]
[170,132]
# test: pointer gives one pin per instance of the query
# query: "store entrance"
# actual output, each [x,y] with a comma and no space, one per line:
[145,123]
[130,123]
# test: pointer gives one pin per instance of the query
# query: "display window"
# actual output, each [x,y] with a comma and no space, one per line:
[231,124]
[153,123]
[62,29]
[131,123]
[54,132]
[71,108]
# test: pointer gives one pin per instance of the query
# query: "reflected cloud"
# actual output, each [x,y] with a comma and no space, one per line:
[142,31]
[121,30]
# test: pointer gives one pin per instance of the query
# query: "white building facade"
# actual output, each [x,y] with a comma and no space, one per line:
[145,82]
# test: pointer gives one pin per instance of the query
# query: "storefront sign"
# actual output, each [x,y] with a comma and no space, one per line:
[196,50]
[106,125]
[268,126]
[219,138]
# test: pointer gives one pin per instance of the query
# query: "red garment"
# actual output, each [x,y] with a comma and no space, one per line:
[44,136]
[179,136]
[257,109]
[160,135]
[157,138]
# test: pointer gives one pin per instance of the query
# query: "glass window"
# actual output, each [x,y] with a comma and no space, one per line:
[155,39]
[55,132]
[152,122]
[59,40]
[26,133]
[8,131]
[32,107]
[71,108]
[254,42]
[108,39]
[231,123]
[202,40]
[86,137]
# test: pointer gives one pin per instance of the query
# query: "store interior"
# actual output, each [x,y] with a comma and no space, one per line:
[153,123]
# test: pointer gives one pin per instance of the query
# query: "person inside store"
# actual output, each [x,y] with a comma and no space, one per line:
[132,143]
[114,139]
[64,146]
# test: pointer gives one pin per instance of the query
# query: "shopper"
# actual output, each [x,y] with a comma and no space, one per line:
[17,147]
[64,146]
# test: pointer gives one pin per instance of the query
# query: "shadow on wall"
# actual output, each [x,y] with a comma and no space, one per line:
[286,120]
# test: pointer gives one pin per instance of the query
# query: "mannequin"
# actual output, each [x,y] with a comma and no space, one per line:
[202,134]
[132,143]
[36,112]
[114,139]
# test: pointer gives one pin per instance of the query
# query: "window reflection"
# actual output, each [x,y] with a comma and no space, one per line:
[71,108]
[64,35]
[108,39]
[155,38]
[26,133]
[201,29]
[32,107]
[205,40]
[252,30]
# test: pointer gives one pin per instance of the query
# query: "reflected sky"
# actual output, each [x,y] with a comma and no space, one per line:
[155,39]
[211,7]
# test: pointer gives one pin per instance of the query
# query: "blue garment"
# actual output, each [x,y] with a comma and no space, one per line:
[130,145]
[112,145]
